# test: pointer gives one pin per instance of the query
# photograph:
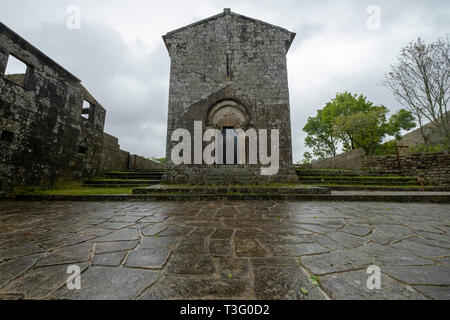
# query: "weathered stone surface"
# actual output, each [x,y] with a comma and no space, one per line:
[125,219]
[96,231]
[418,275]
[72,254]
[232,267]
[412,268]
[347,240]
[113,259]
[192,245]
[326,242]
[220,247]
[352,285]
[357,230]
[434,292]
[41,282]
[154,230]
[13,268]
[276,261]
[200,265]
[24,250]
[385,234]
[176,231]
[361,257]
[296,250]
[248,248]
[178,288]
[11,297]
[158,242]
[148,258]
[66,240]
[115,225]
[120,235]
[422,250]
[106,247]
[283,283]
[105,283]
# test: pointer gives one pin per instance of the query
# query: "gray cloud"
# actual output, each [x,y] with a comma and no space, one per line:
[119,54]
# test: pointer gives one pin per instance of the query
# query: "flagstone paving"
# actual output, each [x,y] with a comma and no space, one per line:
[224,250]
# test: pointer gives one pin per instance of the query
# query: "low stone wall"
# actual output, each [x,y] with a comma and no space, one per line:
[435,167]
[350,161]
[112,157]
[140,163]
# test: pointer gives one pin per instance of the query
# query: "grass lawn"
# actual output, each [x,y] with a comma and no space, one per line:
[70,188]
[81,191]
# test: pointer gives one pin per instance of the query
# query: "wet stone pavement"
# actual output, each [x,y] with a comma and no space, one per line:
[224,250]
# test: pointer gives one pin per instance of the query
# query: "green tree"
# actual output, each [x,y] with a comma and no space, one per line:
[402,120]
[320,136]
[356,123]
[368,129]
[307,158]
[346,104]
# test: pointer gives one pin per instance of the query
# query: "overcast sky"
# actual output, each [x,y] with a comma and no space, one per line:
[119,55]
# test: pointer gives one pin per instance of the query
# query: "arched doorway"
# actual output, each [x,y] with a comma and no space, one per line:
[228,116]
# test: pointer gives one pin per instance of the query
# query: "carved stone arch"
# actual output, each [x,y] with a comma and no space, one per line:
[228,113]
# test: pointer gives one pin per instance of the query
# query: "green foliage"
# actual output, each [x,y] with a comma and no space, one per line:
[365,129]
[315,280]
[423,148]
[387,148]
[402,120]
[160,160]
[320,135]
[307,158]
[356,123]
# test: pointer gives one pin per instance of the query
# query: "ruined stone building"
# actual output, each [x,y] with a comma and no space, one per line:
[229,72]
[51,127]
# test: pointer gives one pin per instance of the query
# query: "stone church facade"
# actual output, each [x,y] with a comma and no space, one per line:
[229,72]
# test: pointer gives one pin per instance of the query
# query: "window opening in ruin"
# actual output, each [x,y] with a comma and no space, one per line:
[82,150]
[7,136]
[86,110]
[15,71]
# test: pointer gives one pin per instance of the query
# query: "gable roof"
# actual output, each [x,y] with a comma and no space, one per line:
[226,12]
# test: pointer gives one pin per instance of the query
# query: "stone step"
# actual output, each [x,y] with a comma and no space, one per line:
[416,197]
[134,176]
[387,188]
[227,190]
[109,186]
[359,181]
[342,173]
[120,182]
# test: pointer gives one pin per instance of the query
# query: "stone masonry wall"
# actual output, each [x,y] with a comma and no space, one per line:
[435,167]
[141,163]
[351,160]
[44,137]
[112,158]
[235,58]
